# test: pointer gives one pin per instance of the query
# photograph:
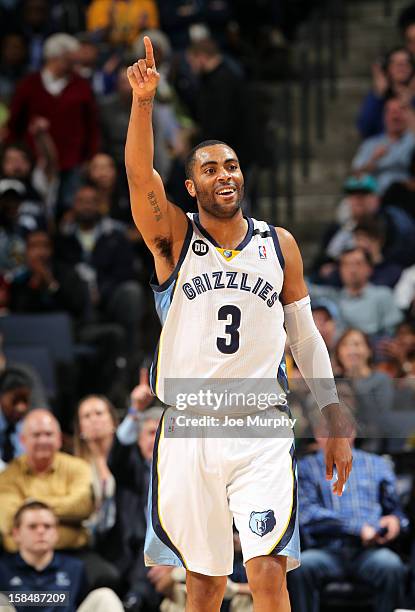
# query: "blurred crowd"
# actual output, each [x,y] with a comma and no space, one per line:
[76,459]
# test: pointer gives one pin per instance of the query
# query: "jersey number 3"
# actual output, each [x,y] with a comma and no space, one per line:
[230,344]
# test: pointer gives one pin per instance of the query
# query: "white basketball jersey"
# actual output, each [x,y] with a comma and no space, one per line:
[220,311]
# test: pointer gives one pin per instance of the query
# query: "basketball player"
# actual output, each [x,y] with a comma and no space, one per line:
[226,286]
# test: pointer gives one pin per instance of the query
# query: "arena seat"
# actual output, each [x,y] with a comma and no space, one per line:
[38,358]
[347,595]
[50,331]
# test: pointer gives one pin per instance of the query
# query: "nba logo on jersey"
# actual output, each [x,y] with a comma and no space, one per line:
[262,251]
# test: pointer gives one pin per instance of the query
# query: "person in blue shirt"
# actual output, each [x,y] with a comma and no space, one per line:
[36,567]
[392,76]
[15,390]
[348,537]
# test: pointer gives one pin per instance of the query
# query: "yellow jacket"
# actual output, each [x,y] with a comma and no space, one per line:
[66,488]
[124,18]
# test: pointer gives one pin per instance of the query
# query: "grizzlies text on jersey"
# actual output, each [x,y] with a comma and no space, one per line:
[220,311]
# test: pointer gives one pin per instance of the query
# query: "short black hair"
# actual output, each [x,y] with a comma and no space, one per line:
[31,504]
[374,228]
[190,159]
[18,146]
[12,379]
[366,254]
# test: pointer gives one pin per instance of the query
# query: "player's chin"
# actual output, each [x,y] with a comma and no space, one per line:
[226,212]
[227,208]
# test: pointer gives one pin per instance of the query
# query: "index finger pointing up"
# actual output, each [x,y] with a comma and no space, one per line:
[149,53]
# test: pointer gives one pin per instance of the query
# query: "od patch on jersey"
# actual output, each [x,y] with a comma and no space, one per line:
[199,247]
[262,523]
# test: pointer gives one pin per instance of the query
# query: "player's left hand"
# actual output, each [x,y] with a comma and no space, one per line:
[338,453]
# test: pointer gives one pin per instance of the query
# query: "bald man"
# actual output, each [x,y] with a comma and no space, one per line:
[47,475]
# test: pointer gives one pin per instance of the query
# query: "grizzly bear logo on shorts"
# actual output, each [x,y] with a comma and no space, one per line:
[262,522]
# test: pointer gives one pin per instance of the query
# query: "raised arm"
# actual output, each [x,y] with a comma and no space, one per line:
[312,358]
[162,225]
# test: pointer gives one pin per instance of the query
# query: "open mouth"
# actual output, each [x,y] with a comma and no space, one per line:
[226,192]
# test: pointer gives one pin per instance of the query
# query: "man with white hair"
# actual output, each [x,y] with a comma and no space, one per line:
[62,97]
[62,482]
[44,473]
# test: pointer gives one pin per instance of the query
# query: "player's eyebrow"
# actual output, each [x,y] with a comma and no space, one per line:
[212,161]
[208,163]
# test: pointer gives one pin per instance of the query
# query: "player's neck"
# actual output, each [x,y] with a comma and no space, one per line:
[228,233]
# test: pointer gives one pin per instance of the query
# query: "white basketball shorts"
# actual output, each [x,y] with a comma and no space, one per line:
[199,485]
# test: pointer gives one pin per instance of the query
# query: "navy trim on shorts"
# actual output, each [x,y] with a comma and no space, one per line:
[155,519]
[291,525]
[153,369]
[277,245]
[154,285]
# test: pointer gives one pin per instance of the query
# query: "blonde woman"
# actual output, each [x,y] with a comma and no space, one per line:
[95,426]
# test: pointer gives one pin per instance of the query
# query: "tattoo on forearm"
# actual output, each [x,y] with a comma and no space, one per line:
[151,197]
[145,102]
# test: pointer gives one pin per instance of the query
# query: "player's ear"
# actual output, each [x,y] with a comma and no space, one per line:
[190,186]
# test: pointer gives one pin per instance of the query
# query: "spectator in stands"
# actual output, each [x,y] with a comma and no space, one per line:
[17,163]
[35,21]
[36,566]
[391,77]
[87,65]
[66,100]
[120,22]
[13,63]
[388,156]
[59,480]
[401,195]
[406,24]
[220,86]
[326,317]
[169,137]
[178,16]
[114,200]
[45,284]
[348,537]
[12,246]
[115,116]
[95,424]
[130,462]
[362,305]
[15,391]
[43,473]
[40,179]
[38,398]
[401,346]
[29,214]
[371,236]
[99,249]
[362,206]
[374,391]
